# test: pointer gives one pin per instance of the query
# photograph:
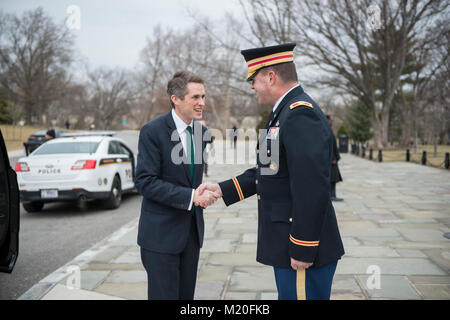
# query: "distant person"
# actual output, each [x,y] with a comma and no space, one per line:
[335,175]
[67,124]
[234,136]
[50,134]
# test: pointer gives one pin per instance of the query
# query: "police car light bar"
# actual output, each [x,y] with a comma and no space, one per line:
[90,133]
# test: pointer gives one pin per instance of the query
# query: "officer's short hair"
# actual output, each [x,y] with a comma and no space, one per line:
[177,85]
[286,71]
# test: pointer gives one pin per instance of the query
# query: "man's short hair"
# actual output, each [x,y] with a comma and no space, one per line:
[286,71]
[177,85]
[51,133]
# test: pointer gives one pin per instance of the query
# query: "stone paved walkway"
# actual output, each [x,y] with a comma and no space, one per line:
[392,222]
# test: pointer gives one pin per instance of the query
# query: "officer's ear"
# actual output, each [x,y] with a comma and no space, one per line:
[272,76]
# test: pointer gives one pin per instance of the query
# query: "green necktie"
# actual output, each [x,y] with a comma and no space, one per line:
[190,151]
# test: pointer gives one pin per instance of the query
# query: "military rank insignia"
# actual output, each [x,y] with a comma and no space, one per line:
[301,103]
[273,133]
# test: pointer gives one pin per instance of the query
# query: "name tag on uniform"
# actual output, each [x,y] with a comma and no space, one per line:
[273,133]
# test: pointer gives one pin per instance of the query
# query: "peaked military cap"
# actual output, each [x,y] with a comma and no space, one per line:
[258,58]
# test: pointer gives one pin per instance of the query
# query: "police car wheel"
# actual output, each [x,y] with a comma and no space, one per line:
[34,206]
[115,195]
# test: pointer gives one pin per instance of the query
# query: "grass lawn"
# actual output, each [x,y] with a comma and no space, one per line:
[15,136]
[400,155]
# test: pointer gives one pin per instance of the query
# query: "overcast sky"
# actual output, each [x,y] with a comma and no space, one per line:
[112,32]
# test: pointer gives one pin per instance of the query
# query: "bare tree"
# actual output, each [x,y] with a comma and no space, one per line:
[35,53]
[359,47]
[224,70]
[74,105]
[423,86]
[269,21]
[203,50]
[110,96]
[152,75]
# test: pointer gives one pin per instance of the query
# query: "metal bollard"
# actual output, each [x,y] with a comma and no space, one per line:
[380,155]
[424,158]
[408,155]
[447,160]
[371,154]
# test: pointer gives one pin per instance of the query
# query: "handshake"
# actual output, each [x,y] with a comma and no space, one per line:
[206,194]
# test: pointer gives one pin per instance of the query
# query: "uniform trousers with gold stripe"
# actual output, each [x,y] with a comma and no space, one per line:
[307,284]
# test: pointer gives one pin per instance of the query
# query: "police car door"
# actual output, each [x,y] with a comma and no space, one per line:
[129,166]
[9,212]
[121,162]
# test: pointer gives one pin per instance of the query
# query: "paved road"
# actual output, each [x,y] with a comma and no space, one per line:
[51,238]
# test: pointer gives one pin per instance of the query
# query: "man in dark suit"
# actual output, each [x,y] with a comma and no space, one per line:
[297,228]
[169,169]
[335,174]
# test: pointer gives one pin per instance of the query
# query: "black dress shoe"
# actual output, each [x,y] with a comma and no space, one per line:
[336,199]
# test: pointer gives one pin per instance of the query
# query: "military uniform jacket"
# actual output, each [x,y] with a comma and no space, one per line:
[292,181]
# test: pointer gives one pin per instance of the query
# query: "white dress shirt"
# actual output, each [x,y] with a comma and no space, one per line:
[181,129]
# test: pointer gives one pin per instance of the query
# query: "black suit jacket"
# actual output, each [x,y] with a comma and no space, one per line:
[292,181]
[335,173]
[163,179]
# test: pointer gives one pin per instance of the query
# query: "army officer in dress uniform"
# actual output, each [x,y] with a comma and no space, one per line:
[297,229]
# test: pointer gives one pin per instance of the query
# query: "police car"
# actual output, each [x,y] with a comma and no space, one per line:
[82,167]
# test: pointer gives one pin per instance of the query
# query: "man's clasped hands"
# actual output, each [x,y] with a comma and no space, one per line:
[206,194]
